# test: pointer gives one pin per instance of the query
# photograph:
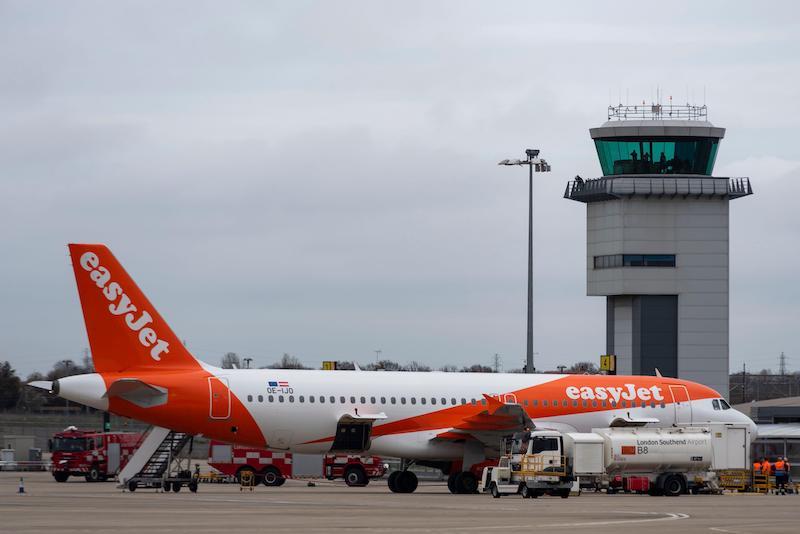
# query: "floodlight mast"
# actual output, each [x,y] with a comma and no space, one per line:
[535,164]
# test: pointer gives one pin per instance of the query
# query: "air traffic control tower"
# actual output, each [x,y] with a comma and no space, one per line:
[657,241]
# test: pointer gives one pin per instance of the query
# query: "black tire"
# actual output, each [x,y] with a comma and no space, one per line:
[94,474]
[176,487]
[271,476]
[524,491]
[166,486]
[132,485]
[192,486]
[281,482]
[564,493]
[355,476]
[494,490]
[466,482]
[451,482]
[673,486]
[406,482]
[60,476]
[392,481]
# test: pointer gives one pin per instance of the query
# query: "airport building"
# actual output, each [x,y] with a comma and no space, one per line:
[657,241]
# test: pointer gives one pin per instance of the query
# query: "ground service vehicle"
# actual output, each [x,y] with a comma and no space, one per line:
[274,467]
[436,419]
[96,456]
[671,460]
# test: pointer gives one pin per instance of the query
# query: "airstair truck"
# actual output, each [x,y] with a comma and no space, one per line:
[674,460]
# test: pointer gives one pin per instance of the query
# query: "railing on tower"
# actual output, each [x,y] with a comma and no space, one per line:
[657,112]
[612,187]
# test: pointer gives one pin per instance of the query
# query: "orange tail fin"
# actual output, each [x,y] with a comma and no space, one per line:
[125,330]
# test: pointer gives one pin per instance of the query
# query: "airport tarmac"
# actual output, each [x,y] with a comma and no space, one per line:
[78,506]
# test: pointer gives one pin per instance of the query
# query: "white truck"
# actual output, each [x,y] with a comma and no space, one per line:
[674,460]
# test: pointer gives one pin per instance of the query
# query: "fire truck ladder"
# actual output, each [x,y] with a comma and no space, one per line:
[150,464]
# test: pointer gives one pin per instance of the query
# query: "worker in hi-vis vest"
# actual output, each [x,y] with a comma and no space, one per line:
[781,476]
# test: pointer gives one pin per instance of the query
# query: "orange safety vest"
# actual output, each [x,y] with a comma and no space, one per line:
[780,466]
[757,467]
[766,467]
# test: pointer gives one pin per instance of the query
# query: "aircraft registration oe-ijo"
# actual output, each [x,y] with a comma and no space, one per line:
[447,420]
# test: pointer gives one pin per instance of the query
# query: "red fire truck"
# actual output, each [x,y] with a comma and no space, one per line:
[273,468]
[91,454]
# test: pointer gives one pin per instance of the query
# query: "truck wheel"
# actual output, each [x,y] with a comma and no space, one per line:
[564,493]
[60,476]
[166,486]
[132,485]
[524,491]
[176,487]
[494,491]
[355,476]
[271,476]
[94,474]
[192,486]
[673,486]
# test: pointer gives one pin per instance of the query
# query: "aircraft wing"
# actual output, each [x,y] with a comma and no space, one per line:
[489,426]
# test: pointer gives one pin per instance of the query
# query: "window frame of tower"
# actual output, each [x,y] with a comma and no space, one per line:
[613,261]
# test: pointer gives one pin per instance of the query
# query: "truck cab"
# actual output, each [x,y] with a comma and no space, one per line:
[532,464]
[96,456]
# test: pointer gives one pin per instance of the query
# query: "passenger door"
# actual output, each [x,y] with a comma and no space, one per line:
[682,404]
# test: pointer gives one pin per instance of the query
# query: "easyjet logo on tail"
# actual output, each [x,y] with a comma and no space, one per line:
[121,305]
[627,392]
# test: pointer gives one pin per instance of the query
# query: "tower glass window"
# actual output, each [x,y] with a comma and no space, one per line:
[657,155]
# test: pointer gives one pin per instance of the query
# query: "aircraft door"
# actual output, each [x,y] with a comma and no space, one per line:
[219,398]
[683,408]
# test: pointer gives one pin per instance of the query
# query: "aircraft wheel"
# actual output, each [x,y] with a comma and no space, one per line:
[406,482]
[392,482]
[466,482]
[451,483]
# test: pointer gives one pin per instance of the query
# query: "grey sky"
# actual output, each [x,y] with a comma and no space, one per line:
[321,179]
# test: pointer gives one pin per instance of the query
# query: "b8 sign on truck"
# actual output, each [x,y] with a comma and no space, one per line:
[96,456]
[273,468]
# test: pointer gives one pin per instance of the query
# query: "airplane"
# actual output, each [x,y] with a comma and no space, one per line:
[451,421]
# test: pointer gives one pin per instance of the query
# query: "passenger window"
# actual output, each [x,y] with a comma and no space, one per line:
[453,401]
[402,400]
[311,398]
[280,398]
[555,403]
[423,400]
[605,404]
[544,403]
[594,404]
[585,404]
[536,402]
[332,399]
[463,400]
[261,398]
[291,398]
[342,400]
[433,400]
[393,400]
[372,400]
[352,400]
[444,401]
[575,404]
[271,398]
[383,400]
[613,403]
[525,402]
[363,400]
[565,403]
[301,399]
[413,400]
[249,398]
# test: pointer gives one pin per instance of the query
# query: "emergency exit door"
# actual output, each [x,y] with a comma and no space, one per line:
[219,397]
[680,400]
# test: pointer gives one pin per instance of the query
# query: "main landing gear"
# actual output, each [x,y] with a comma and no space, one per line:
[403,482]
[462,482]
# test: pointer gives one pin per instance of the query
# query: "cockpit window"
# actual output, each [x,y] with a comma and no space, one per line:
[725,405]
[715,402]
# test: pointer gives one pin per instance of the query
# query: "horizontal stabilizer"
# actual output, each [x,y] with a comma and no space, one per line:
[137,392]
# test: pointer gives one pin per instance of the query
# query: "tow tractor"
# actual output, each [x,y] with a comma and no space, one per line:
[531,465]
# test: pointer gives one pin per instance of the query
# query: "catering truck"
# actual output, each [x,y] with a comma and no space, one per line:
[672,460]
[96,456]
[272,468]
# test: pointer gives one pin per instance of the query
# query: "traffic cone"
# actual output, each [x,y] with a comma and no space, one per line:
[21,489]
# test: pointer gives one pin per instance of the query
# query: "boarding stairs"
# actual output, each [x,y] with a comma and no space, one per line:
[150,465]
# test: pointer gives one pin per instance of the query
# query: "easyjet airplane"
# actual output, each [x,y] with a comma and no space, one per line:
[448,420]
